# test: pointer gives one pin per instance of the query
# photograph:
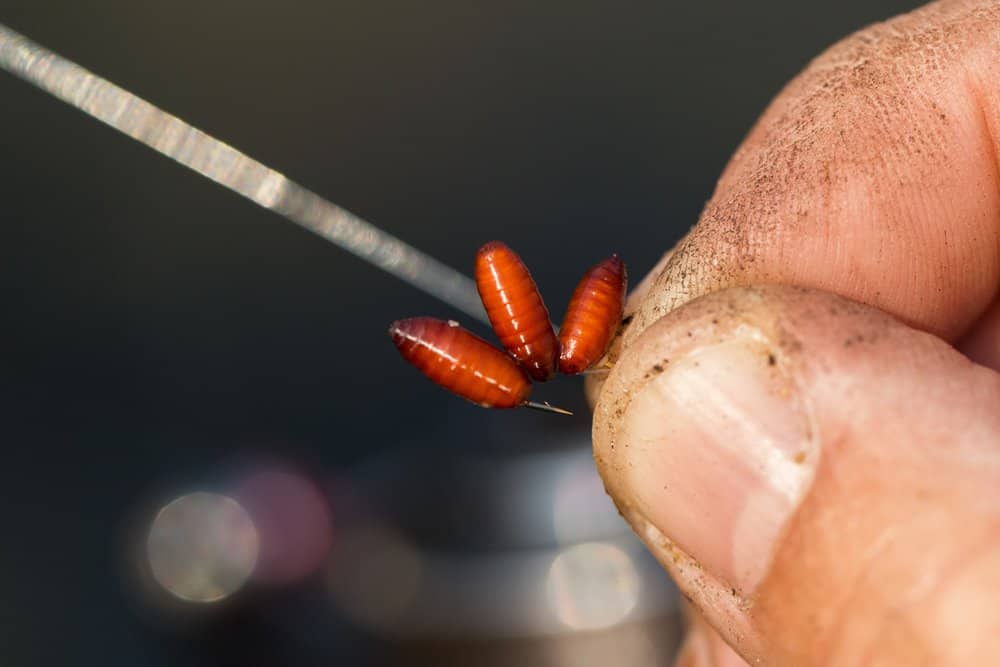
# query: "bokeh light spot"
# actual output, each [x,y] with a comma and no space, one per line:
[592,585]
[293,521]
[202,547]
[581,508]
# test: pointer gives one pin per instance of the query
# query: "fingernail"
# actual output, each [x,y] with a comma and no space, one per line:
[719,451]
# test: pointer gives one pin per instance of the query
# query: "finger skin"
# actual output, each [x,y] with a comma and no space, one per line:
[893,553]
[982,342]
[703,647]
[873,175]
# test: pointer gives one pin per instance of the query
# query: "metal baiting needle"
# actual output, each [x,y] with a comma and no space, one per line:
[227,166]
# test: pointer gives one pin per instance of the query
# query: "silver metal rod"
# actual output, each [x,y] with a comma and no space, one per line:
[232,169]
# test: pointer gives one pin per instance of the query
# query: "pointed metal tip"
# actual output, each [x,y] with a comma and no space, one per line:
[546,407]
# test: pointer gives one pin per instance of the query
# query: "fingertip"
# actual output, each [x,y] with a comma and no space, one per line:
[761,440]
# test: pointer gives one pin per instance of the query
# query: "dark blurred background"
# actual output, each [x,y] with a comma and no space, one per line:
[164,339]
